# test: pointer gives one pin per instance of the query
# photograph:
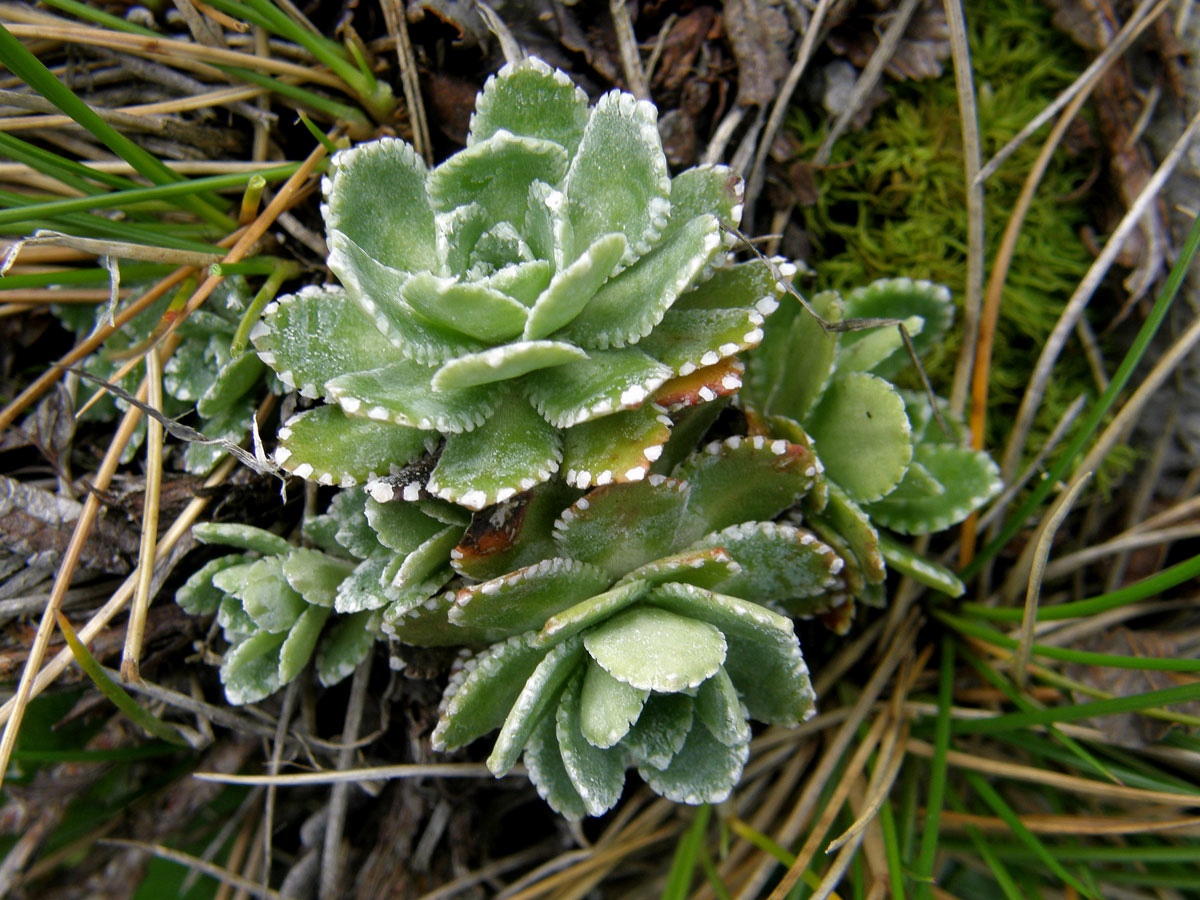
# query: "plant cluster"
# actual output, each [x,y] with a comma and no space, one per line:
[524,369]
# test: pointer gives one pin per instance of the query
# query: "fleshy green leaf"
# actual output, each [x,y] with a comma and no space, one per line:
[537,698]
[661,730]
[583,615]
[572,287]
[512,534]
[763,656]
[245,536]
[376,197]
[432,554]
[401,526]
[689,339]
[609,381]
[327,446]
[547,227]
[653,649]
[597,774]
[629,305]
[702,386]
[706,568]
[296,650]
[234,622]
[703,771]
[607,707]
[778,562]
[615,448]
[874,347]
[250,670]
[354,532]
[363,589]
[401,393]
[713,189]
[496,173]
[314,575]
[468,308]
[790,368]
[544,763]
[199,596]
[268,599]
[482,691]
[511,452]
[920,569]
[523,600]
[524,282]
[504,362]
[618,177]
[720,709]
[901,298]
[743,285]
[743,479]
[345,646]
[967,479]
[862,434]
[644,513]
[530,99]
[233,380]
[457,233]
[854,526]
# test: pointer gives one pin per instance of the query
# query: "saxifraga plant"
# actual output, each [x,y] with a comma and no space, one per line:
[528,305]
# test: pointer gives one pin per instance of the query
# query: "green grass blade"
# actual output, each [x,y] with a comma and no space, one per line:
[1100,409]
[68,171]
[937,770]
[683,866]
[304,98]
[993,799]
[891,849]
[1083,657]
[114,692]
[29,69]
[130,271]
[713,876]
[1140,590]
[1007,885]
[89,13]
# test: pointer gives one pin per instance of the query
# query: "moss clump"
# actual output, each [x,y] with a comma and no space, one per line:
[892,200]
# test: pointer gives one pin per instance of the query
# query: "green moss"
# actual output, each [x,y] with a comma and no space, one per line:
[892,200]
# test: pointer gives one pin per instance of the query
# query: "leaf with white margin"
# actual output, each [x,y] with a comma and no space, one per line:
[874,346]
[199,596]
[457,232]
[616,448]
[652,649]
[376,197]
[513,451]
[247,537]
[363,589]
[739,286]
[296,650]
[314,575]
[544,764]
[401,394]
[547,227]
[789,370]
[233,380]
[425,560]
[863,435]
[740,480]
[329,447]
[584,615]
[703,771]
[345,646]
[597,774]
[401,526]
[967,479]
[499,246]
[354,533]
[266,597]
[789,429]
[608,381]
[720,708]
[763,656]
[377,290]
[250,670]
[425,624]
[702,386]
[524,282]
[572,287]
[643,513]
[608,708]
[901,298]
[504,362]
[234,622]
[512,534]
[629,305]
[779,562]
[661,730]
[537,698]
[926,428]
[618,178]
[690,339]
[468,308]
[230,424]
[707,567]
[405,599]
[496,174]
[482,691]
[924,571]
[714,189]
[523,600]
[530,99]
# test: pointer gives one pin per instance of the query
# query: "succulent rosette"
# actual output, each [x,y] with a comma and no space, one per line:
[539,300]
[889,461]
[643,624]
